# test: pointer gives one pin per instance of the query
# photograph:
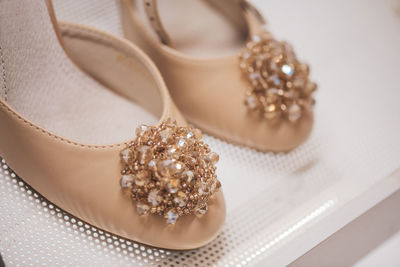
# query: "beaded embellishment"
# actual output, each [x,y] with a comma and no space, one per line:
[279,86]
[169,171]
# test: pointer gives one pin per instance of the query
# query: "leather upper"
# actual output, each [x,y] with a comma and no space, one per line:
[84,179]
[210,91]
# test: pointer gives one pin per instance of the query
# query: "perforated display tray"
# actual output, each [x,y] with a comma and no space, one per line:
[279,205]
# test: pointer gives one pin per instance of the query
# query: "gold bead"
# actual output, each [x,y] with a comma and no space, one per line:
[271,112]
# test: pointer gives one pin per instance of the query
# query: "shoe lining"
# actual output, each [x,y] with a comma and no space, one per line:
[50,90]
[198,28]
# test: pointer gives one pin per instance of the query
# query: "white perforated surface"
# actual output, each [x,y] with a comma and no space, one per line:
[271,199]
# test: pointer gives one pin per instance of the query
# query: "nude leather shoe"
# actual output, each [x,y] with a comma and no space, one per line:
[224,71]
[67,129]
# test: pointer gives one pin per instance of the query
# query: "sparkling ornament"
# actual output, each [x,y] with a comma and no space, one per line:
[171,216]
[126,180]
[279,83]
[164,177]
[142,208]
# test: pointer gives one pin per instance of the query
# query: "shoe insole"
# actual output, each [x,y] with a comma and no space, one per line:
[197,28]
[48,89]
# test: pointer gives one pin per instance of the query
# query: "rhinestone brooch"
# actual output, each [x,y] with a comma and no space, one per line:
[279,86]
[169,171]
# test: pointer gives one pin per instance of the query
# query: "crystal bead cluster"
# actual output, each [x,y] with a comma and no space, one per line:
[170,171]
[278,83]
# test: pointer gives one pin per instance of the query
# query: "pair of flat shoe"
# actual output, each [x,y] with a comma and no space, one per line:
[71,98]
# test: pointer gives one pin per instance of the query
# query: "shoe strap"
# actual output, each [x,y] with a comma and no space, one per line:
[154,18]
[155,21]
[249,7]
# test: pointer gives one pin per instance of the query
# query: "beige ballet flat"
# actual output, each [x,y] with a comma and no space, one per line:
[66,134]
[224,71]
